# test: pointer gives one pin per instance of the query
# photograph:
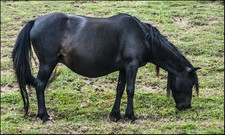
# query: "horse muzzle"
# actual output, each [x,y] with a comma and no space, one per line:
[183,106]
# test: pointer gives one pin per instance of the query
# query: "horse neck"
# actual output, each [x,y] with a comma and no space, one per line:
[165,55]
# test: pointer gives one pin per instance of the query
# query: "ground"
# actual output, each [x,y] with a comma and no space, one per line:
[82,105]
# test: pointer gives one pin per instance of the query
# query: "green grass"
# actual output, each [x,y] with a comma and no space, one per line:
[82,105]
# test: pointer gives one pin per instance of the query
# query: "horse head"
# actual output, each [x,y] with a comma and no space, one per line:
[181,86]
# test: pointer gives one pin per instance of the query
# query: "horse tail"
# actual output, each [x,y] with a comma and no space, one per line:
[157,71]
[168,90]
[196,80]
[22,62]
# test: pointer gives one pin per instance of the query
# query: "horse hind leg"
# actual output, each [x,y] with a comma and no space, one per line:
[41,81]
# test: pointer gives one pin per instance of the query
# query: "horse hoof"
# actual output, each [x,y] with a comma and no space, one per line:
[121,121]
[38,120]
[136,121]
[114,119]
[48,122]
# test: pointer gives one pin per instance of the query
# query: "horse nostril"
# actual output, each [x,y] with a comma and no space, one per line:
[180,107]
[183,106]
[189,106]
[186,106]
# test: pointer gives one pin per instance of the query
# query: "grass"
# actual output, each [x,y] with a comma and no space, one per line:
[82,105]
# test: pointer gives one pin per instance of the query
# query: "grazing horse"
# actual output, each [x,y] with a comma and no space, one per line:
[95,47]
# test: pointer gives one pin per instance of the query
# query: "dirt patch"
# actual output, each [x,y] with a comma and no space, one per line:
[181,21]
[9,88]
[215,20]
[148,89]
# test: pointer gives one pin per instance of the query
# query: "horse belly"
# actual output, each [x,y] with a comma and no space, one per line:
[91,70]
[89,66]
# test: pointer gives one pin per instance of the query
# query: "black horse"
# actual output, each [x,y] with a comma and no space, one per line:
[94,47]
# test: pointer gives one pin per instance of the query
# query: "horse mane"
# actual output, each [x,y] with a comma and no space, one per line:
[156,37]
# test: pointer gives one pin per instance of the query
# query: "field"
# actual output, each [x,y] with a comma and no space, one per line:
[79,104]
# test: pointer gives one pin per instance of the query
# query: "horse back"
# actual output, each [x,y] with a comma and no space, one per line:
[89,46]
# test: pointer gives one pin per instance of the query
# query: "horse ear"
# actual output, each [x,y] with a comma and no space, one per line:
[191,70]
[195,69]
[168,85]
[157,71]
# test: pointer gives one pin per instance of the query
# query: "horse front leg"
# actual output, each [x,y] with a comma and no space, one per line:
[41,82]
[131,71]
[115,114]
